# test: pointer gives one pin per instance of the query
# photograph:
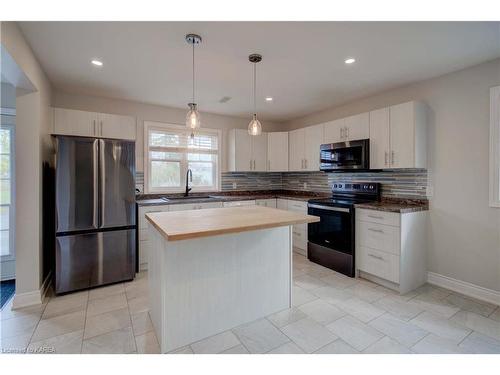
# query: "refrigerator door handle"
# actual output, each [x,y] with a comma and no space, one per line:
[102,183]
[95,161]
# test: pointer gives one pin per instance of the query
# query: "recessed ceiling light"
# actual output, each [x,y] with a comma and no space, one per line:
[350,60]
[269,99]
[96,62]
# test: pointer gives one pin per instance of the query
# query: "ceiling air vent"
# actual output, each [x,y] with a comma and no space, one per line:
[224,99]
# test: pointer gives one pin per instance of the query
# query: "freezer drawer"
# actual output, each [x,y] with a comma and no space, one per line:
[93,259]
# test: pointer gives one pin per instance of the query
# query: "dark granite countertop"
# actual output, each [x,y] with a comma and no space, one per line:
[156,199]
[401,206]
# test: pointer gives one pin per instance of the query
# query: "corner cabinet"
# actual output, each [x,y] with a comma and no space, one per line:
[93,124]
[398,136]
[303,150]
[247,153]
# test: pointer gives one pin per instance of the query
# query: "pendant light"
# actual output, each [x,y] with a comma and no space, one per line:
[193,118]
[254,127]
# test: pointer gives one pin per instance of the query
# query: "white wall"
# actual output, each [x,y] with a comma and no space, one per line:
[149,112]
[464,232]
[33,146]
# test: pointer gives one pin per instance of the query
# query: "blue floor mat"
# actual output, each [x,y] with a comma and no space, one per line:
[6,291]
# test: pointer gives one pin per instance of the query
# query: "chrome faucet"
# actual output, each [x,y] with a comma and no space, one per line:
[189,177]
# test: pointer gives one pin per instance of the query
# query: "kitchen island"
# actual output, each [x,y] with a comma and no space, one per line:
[214,269]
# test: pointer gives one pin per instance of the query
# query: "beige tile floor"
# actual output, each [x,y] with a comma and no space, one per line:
[331,314]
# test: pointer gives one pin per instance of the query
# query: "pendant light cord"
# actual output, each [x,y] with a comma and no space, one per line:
[193,73]
[254,88]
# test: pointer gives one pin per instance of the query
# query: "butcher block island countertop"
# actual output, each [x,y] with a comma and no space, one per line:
[184,225]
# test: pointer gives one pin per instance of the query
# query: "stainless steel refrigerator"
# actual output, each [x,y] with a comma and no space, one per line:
[95,212]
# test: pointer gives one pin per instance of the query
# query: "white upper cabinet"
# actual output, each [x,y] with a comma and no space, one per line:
[73,122]
[247,153]
[259,152]
[334,131]
[277,151]
[398,136]
[313,140]
[92,124]
[303,148]
[116,126]
[296,150]
[348,129]
[379,139]
[408,135]
[357,127]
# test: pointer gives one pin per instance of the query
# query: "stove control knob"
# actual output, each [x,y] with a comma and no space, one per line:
[334,185]
[340,185]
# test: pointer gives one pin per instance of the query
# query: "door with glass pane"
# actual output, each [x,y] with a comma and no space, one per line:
[7,199]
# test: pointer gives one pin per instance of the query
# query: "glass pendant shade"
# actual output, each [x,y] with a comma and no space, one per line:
[193,118]
[254,127]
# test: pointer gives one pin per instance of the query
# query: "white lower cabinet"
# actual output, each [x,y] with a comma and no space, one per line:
[266,202]
[239,203]
[391,248]
[143,232]
[194,206]
[299,232]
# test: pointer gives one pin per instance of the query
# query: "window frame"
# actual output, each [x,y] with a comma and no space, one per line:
[160,126]
[495,147]
[12,165]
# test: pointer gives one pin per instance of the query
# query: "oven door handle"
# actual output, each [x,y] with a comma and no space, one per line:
[328,208]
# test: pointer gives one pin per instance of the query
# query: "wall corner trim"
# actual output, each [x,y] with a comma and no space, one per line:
[465,288]
[35,297]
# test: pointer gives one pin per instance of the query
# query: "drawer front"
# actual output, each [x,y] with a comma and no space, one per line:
[380,237]
[266,202]
[239,203]
[297,206]
[378,217]
[378,263]
[143,222]
[194,206]
[143,234]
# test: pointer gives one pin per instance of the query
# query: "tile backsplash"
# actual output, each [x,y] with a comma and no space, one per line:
[401,183]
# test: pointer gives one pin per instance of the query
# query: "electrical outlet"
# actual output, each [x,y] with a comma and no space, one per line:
[234,185]
[305,185]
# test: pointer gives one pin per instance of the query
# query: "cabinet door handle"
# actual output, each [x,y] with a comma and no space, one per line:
[95,133]
[250,164]
[392,157]
[341,133]
[305,163]
[296,233]
[376,230]
[386,156]
[346,132]
[375,256]
[375,217]
[254,165]
[269,165]
[100,130]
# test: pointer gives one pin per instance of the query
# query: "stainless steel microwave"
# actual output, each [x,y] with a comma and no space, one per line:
[345,156]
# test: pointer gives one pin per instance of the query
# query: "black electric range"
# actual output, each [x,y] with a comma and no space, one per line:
[331,241]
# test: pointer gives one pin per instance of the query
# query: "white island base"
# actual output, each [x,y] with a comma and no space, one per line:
[203,286]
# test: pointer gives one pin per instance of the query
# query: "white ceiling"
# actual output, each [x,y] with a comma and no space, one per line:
[302,69]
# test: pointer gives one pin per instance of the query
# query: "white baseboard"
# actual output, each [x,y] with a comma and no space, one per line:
[465,288]
[36,297]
